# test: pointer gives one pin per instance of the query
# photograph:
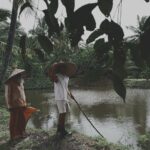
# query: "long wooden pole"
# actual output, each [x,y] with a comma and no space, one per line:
[72,97]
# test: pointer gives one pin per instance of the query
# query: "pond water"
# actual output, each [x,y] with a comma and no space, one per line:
[118,122]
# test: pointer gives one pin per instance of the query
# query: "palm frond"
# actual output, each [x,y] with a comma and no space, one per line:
[134,29]
[24,6]
[141,22]
[4,14]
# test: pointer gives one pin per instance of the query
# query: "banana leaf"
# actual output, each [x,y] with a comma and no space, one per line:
[105,6]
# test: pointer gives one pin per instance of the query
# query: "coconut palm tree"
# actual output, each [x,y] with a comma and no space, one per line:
[11,34]
[4,29]
[138,30]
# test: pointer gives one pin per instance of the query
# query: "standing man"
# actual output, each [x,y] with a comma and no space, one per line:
[16,102]
[59,74]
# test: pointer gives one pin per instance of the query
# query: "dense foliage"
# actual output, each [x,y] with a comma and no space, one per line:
[53,40]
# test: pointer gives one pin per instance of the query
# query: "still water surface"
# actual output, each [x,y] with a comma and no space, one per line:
[114,119]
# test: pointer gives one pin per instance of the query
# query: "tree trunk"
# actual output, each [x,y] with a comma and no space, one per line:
[11,34]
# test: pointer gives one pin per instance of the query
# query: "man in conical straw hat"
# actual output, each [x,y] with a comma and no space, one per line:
[16,103]
[59,74]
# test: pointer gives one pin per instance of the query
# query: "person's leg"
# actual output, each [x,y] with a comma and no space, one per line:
[62,108]
[22,122]
[61,122]
[11,126]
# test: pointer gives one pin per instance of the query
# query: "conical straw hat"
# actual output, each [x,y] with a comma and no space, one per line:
[15,72]
[71,68]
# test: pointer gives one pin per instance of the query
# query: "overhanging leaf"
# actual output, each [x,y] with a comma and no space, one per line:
[113,30]
[94,35]
[145,46]
[52,23]
[83,14]
[76,27]
[90,23]
[116,30]
[105,26]
[119,87]
[53,6]
[119,58]
[69,4]
[24,6]
[45,43]
[105,6]
[101,50]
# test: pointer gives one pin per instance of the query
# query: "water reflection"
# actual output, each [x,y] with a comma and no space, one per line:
[116,120]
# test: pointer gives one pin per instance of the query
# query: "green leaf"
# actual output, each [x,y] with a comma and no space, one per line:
[24,6]
[40,54]
[94,35]
[105,6]
[28,68]
[45,43]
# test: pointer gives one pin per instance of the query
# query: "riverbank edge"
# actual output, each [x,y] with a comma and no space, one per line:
[103,84]
[39,139]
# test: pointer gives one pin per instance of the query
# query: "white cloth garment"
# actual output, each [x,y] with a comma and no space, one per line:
[63,106]
[22,92]
[61,87]
[60,90]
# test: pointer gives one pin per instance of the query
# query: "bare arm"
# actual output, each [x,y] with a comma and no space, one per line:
[7,95]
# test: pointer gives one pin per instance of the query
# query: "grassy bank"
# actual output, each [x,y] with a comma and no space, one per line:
[144,141]
[138,83]
[42,140]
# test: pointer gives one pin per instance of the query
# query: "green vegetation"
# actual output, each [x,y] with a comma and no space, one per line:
[103,144]
[144,141]
[40,139]
[53,40]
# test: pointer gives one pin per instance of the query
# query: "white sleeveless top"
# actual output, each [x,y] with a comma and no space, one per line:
[61,87]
